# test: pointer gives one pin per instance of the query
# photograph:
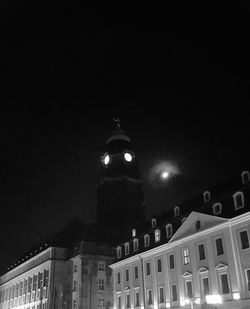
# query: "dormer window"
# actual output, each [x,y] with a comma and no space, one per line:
[153,222]
[176,211]
[157,235]
[238,200]
[245,177]
[119,252]
[146,240]
[217,208]
[206,196]
[169,230]
[133,232]
[126,248]
[135,244]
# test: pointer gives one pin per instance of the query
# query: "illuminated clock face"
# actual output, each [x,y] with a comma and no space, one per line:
[128,157]
[106,159]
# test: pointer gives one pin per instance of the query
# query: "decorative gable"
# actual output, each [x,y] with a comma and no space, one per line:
[203,270]
[187,274]
[196,222]
[221,266]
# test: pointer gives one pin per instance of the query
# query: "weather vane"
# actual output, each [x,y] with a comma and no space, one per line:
[117,121]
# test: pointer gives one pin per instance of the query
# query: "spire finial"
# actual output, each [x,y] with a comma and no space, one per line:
[117,121]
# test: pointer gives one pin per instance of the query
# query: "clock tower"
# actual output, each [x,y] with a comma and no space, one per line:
[120,201]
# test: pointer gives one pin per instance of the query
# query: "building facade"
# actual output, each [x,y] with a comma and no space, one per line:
[192,259]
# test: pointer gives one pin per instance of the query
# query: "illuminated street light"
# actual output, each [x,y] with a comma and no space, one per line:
[165,175]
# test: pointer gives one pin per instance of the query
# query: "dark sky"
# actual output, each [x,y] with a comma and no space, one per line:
[178,78]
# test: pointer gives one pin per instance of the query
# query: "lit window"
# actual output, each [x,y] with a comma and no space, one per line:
[119,252]
[149,297]
[101,302]
[224,284]
[161,295]
[238,200]
[135,243]
[148,268]
[101,266]
[245,177]
[146,240]
[201,249]
[126,248]
[244,239]
[176,211]
[206,196]
[171,261]
[219,246]
[157,235]
[169,230]
[100,284]
[133,232]
[137,298]
[159,268]
[217,208]
[153,222]
[128,157]
[185,256]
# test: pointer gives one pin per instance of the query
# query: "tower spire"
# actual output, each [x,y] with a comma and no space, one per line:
[117,122]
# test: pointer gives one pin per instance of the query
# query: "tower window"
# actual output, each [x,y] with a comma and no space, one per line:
[153,222]
[245,177]
[238,200]
[176,211]
[100,284]
[169,230]
[128,157]
[126,248]
[206,196]
[217,208]
[157,235]
[101,266]
[135,243]
[146,240]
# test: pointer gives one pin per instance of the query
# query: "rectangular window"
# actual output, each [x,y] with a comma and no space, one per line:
[74,286]
[149,297]
[127,275]
[189,289]
[101,284]
[219,246]
[224,284]
[174,292]
[118,278]
[75,268]
[74,303]
[205,286]
[248,279]
[244,240]
[185,256]
[159,265]
[137,298]
[101,302]
[201,252]
[161,295]
[148,269]
[136,272]
[101,266]
[171,261]
[119,304]
[127,300]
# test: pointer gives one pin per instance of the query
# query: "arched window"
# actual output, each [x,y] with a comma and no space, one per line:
[146,240]
[119,252]
[153,222]
[126,248]
[157,235]
[217,208]
[169,230]
[206,196]
[238,200]
[176,211]
[245,177]
[135,244]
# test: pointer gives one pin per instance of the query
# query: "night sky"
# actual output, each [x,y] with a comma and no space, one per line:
[177,77]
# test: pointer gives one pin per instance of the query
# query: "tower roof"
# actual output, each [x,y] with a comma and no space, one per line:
[118,133]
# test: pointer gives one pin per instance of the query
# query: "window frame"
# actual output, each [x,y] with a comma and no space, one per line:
[146,240]
[235,196]
[204,251]
[247,238]
[157,233]
[169,261]
[185,256]
[126,245]
[176,211]
[135,244]
[169,235]
[214,208]
[216,247]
